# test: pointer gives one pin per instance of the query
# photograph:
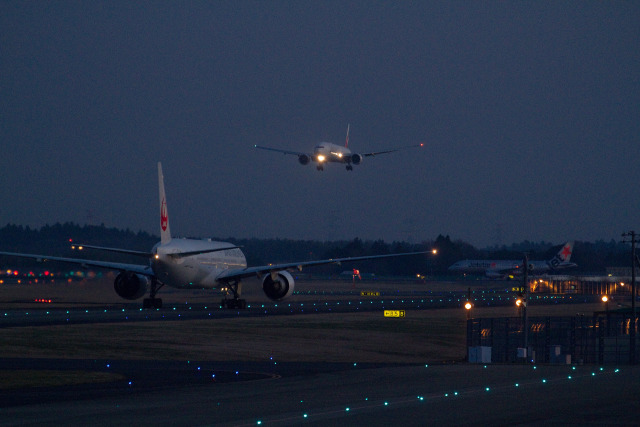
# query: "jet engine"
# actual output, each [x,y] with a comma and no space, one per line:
[278,285]
[356,158]
[131,286]
[303,159]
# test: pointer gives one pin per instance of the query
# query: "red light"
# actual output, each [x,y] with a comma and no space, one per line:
[46,273]
[15,272]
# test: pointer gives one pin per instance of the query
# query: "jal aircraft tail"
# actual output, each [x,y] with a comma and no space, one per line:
[165,233]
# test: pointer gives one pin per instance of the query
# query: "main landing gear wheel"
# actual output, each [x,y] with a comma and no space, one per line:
[234,303]
[349,167]
[152,303]
[234,288]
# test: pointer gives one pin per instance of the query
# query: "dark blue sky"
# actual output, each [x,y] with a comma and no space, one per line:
[529,111]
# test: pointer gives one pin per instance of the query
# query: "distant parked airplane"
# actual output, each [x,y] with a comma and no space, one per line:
[326,152]
[505,268]
[194,264]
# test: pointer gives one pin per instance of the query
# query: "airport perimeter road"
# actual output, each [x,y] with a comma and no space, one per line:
[340,394]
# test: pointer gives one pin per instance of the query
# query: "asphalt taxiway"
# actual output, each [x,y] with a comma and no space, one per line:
[180,393]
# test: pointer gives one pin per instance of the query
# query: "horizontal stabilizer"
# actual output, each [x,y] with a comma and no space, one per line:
[204,251]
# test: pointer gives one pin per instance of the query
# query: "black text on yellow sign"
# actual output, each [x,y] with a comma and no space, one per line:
[394,313]
[369,294]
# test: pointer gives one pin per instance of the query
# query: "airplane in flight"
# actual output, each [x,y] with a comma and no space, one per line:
[194,264]
[509,268]
[327,152]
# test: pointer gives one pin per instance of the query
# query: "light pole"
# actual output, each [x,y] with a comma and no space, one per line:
[632,330]
[525,320]
[468,306]
[605,300]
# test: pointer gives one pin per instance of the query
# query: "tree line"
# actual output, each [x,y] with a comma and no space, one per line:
[56,240]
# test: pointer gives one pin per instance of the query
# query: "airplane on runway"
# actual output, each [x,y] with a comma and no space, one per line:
[327,152]
[507,268]
[194,264]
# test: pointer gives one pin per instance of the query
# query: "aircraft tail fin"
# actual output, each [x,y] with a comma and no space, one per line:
[562,258]
[165,233]
[566,251]
[346,142]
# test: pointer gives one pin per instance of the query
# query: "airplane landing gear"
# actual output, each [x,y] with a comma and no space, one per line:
[236,302]
[152,301]
[320,168]
[349,167]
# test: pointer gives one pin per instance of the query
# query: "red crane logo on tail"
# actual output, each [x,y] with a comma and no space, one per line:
[164,219]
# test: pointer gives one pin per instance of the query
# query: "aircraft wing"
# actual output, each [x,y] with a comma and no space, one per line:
[121,251]
[135,268]
[375,153]
[239,273]
[296,153]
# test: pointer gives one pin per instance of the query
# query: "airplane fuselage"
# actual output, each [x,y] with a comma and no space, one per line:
[194,271]
[329,152]
[505,268]
[480,266]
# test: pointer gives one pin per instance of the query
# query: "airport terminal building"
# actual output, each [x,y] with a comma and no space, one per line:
[611,284]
